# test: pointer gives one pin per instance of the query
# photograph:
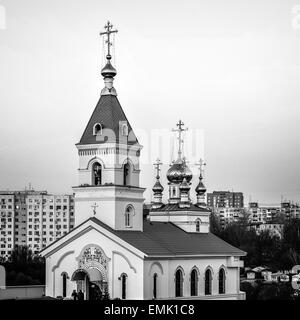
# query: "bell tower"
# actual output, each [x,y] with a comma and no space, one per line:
[109,152]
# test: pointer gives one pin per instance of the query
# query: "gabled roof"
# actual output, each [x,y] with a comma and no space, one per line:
[176,207]
[164,239]
[108,113]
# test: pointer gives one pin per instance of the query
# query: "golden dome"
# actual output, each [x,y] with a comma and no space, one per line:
[178,171]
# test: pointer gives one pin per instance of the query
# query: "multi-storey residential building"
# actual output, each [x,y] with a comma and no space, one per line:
[33,218]
[7,223]
[228,206]
[225,199]
[290,210]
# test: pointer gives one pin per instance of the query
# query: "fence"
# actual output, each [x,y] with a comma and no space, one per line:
[22,292]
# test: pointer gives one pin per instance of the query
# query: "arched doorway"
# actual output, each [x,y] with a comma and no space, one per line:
[90,281]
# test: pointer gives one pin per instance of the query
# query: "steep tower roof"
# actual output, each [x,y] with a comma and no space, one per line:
[110,115]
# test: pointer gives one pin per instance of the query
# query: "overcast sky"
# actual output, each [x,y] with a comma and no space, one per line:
[229,69]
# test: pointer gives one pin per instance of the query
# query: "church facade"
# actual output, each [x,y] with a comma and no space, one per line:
[117,250]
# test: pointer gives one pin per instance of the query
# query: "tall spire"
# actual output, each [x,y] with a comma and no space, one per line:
[157,188]
[108,72]
[180,130]
[200,189]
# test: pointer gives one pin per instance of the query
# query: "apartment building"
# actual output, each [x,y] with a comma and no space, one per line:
[228,206]
[225,199]
[34,218]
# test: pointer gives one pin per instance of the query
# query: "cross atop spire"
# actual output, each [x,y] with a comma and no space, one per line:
[201,165]
[180,130]
[157,165]
[94,206]
[108,32]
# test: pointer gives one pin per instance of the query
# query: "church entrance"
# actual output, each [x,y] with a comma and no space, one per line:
[90,281]
[91,275]
[95,292]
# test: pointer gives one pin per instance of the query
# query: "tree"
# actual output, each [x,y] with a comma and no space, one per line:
[23,268]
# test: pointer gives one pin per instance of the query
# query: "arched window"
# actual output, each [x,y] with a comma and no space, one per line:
[124,129]
[124,284]
[128,216]
[64,279]
[178,283]
[97,174]
[126,174]
[97,129]
[194,282]
[198,222]
[155,285]
[221,281]
[208,282]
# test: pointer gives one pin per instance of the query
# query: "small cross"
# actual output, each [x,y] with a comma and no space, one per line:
[157,165]
[108,32]
[94,206]
[201,164]
[180,129]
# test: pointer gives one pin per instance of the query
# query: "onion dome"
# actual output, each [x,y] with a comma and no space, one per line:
[157,188]
[178,171]
[184,186]
[108,71]
[200,189]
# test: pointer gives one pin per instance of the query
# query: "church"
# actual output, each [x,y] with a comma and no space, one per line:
[119,249]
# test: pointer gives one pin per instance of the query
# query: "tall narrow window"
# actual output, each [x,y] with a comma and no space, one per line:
[128,216]
[178,283]
[198,225]
[208,282]
[221,281]
[124,280]
[155,285]
[194,283]
[97,174]
[64,284]
[124,129]
[126,171]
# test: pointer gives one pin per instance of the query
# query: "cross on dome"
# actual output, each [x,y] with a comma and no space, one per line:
[108,32]
[201,165]
[180,130]
[157,165]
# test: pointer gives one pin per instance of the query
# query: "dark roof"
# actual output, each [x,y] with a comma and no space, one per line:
[166,239]
[108,113]
[175,207]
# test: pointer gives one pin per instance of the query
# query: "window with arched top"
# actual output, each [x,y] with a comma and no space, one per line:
[124,285]
[97,174]
[97,129]
[221,281]
[124,129]
[155,286]
[128,216]
[126,174]
[198,223]
[64,284]
[194,282]
[178,283]
[208,282]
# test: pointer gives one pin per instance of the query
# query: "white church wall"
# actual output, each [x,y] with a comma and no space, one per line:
[184,220]
[85,198]
[136,218]
[166,269]
[121,261]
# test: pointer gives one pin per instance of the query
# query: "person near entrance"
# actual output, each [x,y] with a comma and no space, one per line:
[74,295]
[80,295]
